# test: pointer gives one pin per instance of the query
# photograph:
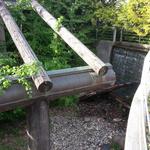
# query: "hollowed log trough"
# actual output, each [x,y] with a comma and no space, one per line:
[65,82]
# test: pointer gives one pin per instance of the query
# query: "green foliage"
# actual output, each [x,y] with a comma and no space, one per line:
[19,72]
[67,101]
[80,26]
[52,51]
[8,59]
[15,114]
[115,146]
[59,23]
[106,13]
[135,16]
[132,15]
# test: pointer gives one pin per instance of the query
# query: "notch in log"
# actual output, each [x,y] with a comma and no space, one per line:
[89,57]
[41,80]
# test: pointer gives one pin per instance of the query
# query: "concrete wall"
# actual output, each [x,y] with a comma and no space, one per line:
[126,58]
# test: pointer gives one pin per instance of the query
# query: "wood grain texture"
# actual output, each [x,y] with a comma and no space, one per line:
[38,126]
[89,57]
[2,37]
[41,80]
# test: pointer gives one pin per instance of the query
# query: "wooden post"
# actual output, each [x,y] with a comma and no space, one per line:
[121,34]
[90,58]
[114,34]
[41,80]
[38,126]
[2,38]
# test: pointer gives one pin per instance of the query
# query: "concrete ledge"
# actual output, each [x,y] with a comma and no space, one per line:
[133,46]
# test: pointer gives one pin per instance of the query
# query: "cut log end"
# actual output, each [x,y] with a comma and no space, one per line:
[45,86]
[103,70]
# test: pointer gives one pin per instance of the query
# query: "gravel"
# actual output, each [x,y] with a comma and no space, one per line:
[86,127]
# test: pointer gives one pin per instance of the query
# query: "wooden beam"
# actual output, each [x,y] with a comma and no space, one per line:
[65,82]
[41,80]
[38,126]
[89,57]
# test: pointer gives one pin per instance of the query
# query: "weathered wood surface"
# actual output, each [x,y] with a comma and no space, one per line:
[136,135]
[65,82]
[41,80]
[90,58]
[2,37]
[38,126]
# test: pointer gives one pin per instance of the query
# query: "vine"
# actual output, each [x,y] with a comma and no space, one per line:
[20,73]
[57,27]
[59,23]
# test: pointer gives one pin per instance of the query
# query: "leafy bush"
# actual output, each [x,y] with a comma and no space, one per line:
[135,16]
[16,114]
[67,101]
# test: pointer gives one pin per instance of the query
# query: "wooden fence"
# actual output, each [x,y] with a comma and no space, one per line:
[122,35]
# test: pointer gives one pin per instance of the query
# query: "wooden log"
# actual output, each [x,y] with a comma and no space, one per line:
[41,80]
[65,82]
[89,57]
[38,126]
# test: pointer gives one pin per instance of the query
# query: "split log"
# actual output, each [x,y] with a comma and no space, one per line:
[90,58]
[65,82]
[41,80]
[38,126]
